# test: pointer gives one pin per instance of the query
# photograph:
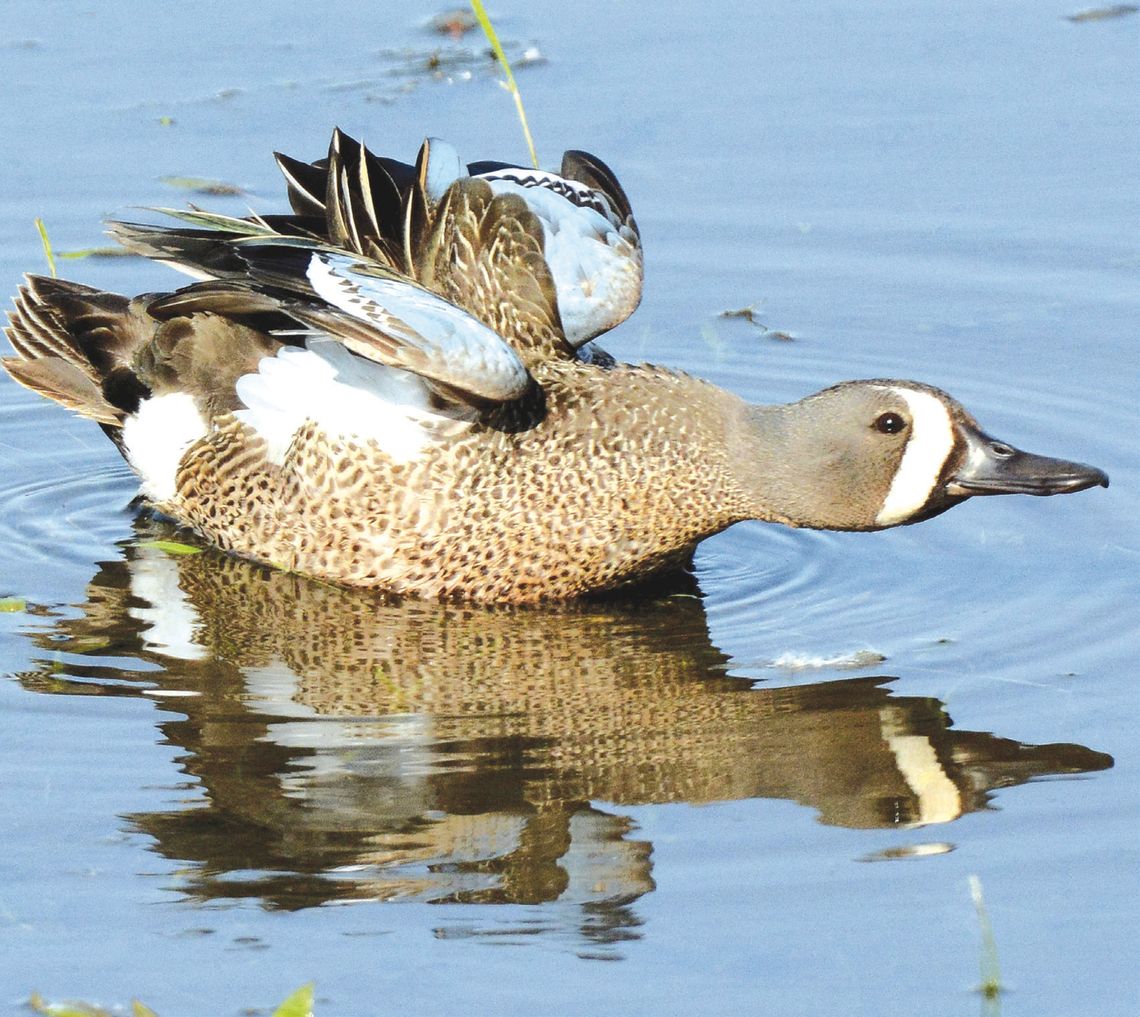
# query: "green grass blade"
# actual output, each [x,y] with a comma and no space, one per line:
[44,239]
[991,987]
[512,87]
[299,1004]
[171,547]
[37,1004]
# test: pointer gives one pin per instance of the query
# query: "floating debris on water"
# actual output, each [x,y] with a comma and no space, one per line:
[96,252]
[909,851]
[204,185]
[454,23]
[1102,13]
[749,314]
[447,65]
[843,661]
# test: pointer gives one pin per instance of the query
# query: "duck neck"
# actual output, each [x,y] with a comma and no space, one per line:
[786,475]
[760,450]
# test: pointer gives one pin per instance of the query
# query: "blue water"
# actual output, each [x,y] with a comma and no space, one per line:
[217,783]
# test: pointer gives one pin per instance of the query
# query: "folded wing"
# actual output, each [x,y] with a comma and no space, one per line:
[470,234]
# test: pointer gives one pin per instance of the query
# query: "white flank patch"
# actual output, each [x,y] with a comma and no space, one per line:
[930,444]
[156,437]
[344,395]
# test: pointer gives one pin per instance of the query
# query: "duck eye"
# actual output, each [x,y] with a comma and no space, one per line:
[890,423]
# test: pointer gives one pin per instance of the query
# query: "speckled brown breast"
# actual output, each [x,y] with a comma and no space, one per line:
[622,476]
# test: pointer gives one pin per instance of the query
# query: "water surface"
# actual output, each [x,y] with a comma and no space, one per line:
[763,789]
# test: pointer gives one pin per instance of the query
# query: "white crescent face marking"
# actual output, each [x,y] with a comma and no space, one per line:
[930,444]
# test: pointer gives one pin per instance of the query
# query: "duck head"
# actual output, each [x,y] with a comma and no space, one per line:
[866,455]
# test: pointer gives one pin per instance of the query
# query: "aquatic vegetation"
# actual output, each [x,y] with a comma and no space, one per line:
[298,1004]
[1102,13]
[204,185]
[990,987]
[171,547]
[85,252]
[95,252]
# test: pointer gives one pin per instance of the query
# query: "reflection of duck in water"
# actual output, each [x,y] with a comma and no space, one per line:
[348,746]
[391,388]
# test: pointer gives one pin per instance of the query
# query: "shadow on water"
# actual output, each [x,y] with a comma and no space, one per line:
[353,748]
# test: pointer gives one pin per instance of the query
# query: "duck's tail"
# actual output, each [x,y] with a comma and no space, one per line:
[74,344]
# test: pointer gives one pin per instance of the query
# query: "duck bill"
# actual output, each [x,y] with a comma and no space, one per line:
[993,467]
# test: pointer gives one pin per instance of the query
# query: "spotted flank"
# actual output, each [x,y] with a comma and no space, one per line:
[393,386]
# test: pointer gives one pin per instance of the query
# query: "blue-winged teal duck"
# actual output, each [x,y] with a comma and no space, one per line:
[394,387]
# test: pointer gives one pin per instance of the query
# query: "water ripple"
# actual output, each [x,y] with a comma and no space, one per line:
[64,489]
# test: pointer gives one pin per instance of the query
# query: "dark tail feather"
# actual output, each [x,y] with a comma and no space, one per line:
[205,253]
[590,170]
[74,345]
[305,183]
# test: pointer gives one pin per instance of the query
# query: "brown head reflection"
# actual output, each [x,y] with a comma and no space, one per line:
[350,747]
